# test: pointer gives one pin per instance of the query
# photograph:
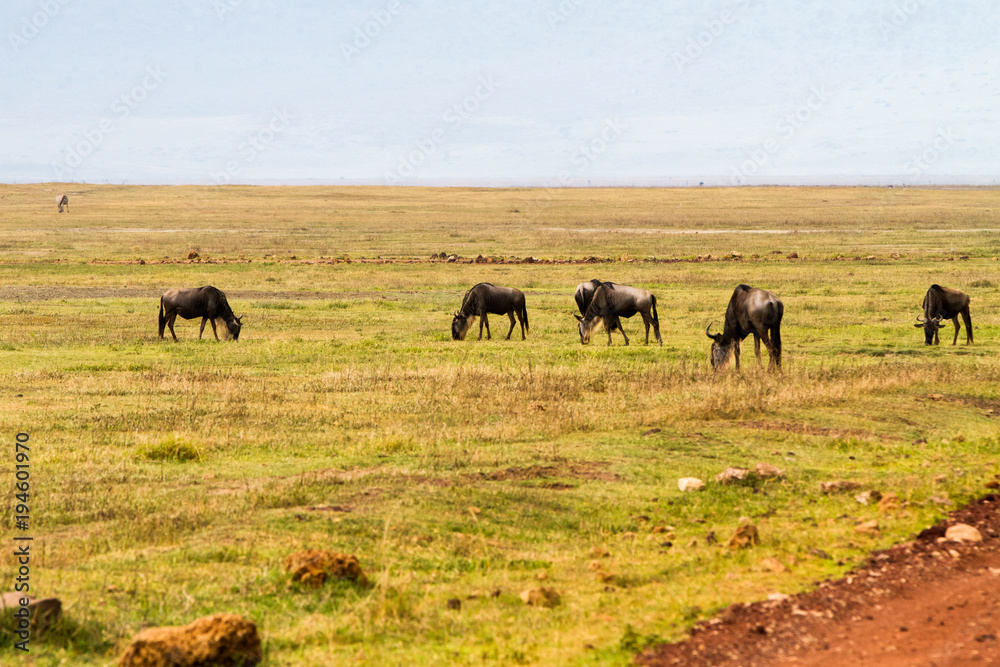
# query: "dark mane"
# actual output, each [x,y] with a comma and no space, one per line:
[466,302]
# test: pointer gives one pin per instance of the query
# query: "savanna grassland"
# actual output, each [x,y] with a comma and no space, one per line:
[170,480]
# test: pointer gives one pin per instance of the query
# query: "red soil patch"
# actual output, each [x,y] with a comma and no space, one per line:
[926,602]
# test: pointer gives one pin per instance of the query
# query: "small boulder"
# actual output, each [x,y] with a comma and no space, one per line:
[41,613]
[868,527]
[792,255]
[732,475]
[841,485]
[890,501]
[541,597]
[219,639]
[314,567]
[745,536]
[963,532]
[868,497]
[767,471]
[452,259]
[690,484]
[192,255]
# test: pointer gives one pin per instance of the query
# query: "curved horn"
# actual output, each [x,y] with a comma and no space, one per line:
[921,318]
[706,331]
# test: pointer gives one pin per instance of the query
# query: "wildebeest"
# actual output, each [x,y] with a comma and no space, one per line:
[585,292]
[484,299]
[942,303]
[62,201]
[208,303]
[612,302]
[751,311]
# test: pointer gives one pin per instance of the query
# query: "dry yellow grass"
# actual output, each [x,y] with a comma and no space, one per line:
[171,479]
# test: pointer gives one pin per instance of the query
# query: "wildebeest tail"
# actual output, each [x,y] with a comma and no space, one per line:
[524,314]
[163,319]
[656,318]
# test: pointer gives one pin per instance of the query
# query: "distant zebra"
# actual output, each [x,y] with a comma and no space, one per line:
[63,201]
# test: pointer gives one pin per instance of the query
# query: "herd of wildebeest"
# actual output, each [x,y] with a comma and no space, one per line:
[750,311]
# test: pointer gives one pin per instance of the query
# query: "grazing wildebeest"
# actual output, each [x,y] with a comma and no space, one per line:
[63,201]
[942,303]
[612,302]
[485,299]
[208,303]
[585,292]
[751,311]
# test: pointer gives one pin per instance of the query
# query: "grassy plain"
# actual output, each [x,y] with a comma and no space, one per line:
[170,480]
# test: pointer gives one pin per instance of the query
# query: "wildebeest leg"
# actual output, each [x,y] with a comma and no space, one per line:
[957,327]
[511,316]
[618,323]
[645,320]
[483,321]
[213,328]
[768,346]
[202,330]
[968,325]
[170,323]
[736,352]
[775,349]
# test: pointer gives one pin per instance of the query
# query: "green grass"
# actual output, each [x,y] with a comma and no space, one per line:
[170,480]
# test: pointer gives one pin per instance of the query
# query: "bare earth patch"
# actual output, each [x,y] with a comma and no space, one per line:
[588,470]
[34,293]
[926,602]
[808,429]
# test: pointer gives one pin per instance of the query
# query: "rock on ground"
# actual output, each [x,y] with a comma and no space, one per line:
[541,597]
[219,640]
[690,484]
[314,567]
[43,613]
[745,536]
[962,532]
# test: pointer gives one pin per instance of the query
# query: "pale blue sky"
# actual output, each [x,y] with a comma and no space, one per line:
[534,93]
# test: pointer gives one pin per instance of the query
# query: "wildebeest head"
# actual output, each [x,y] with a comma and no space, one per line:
[931,327]
[721,349]
[586,326]
[234,326]
[460,325]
